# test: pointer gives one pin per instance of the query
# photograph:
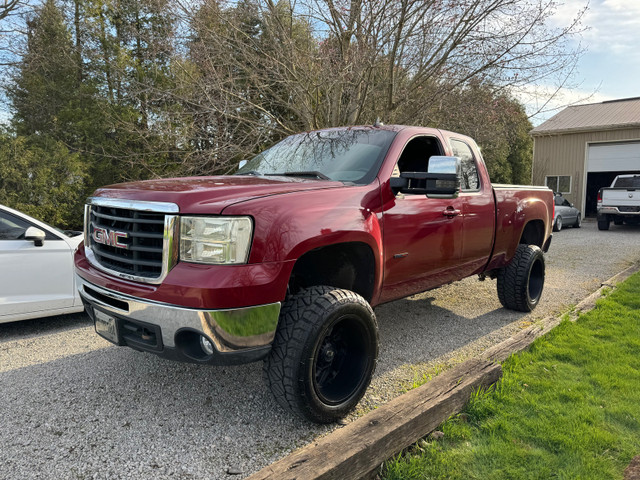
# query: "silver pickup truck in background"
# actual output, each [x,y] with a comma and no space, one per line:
[620,202]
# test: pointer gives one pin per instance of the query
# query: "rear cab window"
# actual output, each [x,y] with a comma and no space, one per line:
[470,180]
[628,182]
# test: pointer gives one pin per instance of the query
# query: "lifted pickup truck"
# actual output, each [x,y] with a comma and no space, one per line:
[619,203]
[284,260]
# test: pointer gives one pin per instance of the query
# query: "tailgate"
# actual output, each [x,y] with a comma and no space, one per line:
[620,197]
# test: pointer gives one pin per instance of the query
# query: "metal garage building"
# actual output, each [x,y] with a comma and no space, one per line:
[582,149]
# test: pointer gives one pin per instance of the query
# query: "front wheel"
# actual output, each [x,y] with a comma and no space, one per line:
[520,283]
[324,353]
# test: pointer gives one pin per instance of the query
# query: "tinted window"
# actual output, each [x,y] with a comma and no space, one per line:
[416,154]
[352,155]
[469,169]
[11,227]
[628,182]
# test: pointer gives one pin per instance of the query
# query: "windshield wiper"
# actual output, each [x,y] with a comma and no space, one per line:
[310,173]
[250,172]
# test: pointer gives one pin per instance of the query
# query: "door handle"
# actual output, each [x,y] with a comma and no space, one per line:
[451,212]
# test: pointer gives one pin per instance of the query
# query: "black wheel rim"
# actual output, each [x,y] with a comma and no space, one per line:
[342,360]
[536,281]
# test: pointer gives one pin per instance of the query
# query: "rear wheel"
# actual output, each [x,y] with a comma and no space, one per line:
[603,222]
[578,221]
[324,353]
[520,283]
[557,226]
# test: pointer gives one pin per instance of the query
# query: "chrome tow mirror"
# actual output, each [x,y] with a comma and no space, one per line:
[442,179]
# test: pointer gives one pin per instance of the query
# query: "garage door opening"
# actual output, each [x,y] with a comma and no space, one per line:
[596,181]
[605,161]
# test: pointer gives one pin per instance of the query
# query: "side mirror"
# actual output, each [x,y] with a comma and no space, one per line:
[242,164]
[36,235]
[442,180]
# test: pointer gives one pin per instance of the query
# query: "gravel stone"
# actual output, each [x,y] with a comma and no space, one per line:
[74,406]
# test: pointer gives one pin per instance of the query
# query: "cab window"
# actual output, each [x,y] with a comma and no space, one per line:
[416,154]
[13,227]
[560,201]
[415,158]
[469,169]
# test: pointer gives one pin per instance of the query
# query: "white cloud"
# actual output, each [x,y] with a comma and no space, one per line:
[613,26]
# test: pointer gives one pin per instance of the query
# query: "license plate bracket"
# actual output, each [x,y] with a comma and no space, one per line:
[106,326]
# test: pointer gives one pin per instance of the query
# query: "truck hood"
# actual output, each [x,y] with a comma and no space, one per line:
[211,195]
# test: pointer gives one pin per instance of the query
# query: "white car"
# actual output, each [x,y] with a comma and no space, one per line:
[36,268]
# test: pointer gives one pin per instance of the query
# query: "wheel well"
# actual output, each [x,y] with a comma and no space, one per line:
[533,233]
[347,265]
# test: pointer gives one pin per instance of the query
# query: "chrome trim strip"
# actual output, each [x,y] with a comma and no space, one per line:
[170,242]
[87,221]
[230,330]
[142,206]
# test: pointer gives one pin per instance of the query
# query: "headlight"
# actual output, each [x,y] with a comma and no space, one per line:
[215,240]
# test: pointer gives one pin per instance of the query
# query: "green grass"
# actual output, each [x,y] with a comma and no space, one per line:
[568,408]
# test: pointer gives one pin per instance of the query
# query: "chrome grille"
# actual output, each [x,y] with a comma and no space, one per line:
[131,239]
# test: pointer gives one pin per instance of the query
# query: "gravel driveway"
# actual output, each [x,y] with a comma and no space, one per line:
[72,406]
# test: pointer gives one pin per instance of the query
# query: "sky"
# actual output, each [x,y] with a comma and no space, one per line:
[610,67]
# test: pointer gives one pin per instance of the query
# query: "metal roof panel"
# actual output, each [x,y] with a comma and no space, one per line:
[595,116]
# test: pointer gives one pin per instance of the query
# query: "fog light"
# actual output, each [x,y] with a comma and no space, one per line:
[206,345]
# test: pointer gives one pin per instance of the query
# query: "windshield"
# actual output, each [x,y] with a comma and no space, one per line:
[628,182]
[344,155]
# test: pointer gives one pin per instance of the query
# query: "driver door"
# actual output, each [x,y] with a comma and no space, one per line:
[422,236]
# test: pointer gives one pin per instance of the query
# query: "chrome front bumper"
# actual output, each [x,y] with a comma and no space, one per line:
[238,335]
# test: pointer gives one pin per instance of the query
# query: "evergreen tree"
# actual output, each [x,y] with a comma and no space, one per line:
[42,179]
[45,86]
[128,52]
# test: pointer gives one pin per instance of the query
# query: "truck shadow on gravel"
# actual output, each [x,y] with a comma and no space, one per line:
[416,330]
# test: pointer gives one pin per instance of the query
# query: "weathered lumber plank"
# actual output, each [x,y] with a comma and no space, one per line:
[360,447]
[519,341]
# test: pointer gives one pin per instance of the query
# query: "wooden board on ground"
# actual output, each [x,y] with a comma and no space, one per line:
[359,448]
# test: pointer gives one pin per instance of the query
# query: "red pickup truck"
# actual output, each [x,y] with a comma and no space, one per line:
[284,260]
